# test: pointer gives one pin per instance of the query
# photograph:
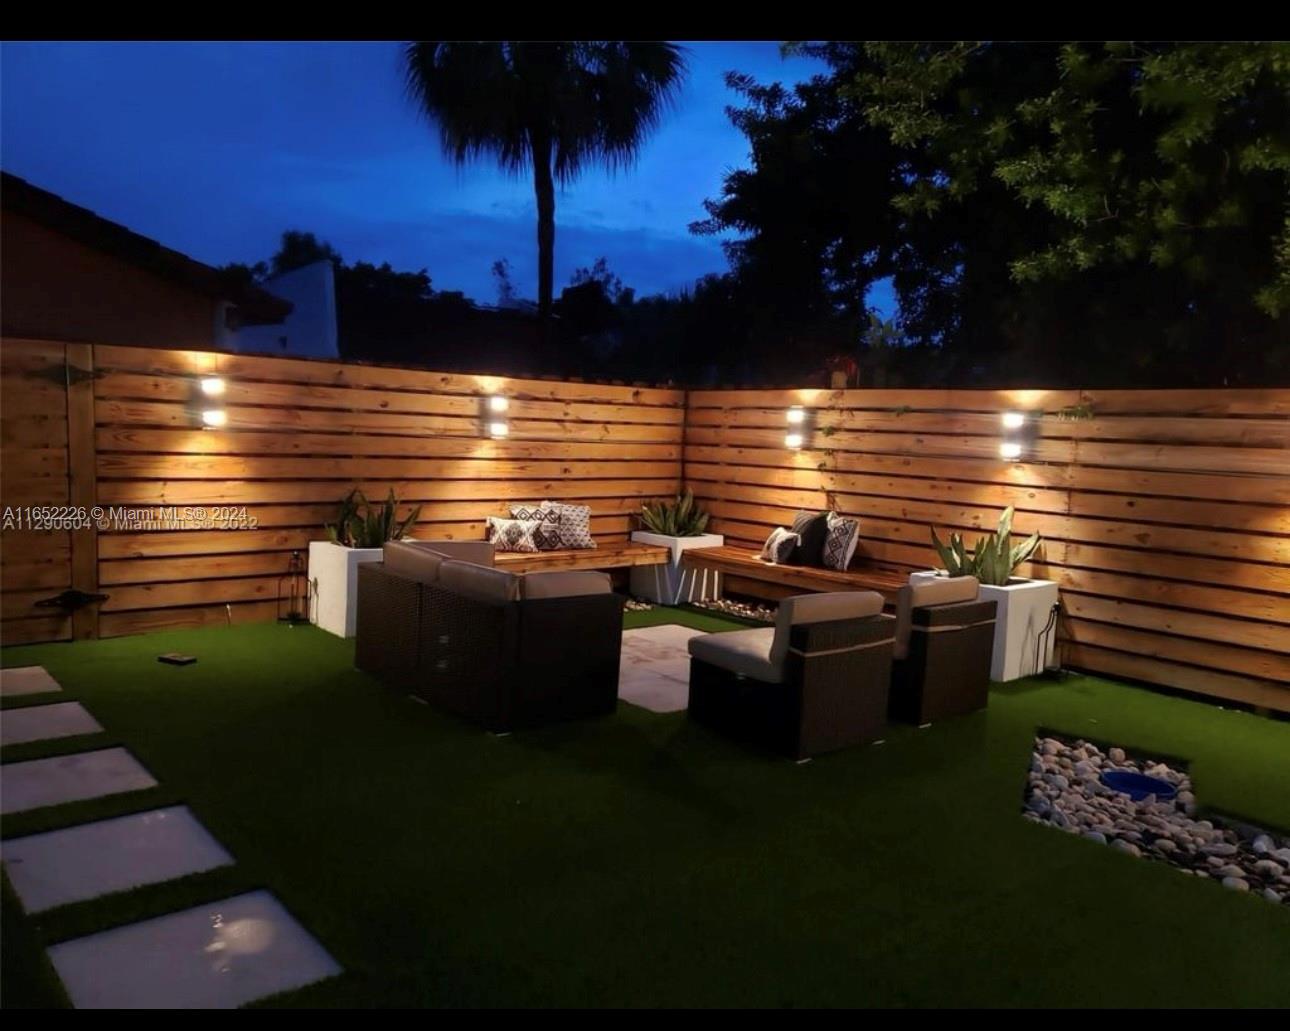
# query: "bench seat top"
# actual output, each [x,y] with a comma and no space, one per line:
[604,556]
[746,563]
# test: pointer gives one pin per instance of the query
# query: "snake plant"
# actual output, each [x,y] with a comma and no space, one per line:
[679,518]
[994,557]
[360,524]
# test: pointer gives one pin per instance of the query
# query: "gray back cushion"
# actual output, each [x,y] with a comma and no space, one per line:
[819,608]
[412,560]
[565,584]
[943,590]
[481,583]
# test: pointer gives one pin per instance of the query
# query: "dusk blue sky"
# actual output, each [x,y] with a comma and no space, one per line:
[215,149]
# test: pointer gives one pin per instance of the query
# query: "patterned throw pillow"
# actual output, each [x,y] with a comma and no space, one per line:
[840,544]
[575,524]
[780,545]
[546,535]
[511,534]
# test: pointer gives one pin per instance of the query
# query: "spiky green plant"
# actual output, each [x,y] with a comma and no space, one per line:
[993,559]
[360,524]
[679,518]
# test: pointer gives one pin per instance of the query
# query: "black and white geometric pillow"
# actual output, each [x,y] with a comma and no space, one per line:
[546,535]
[840,544]
[779,545]
[511,534]
[575,524]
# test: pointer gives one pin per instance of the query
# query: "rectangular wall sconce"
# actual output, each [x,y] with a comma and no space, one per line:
[1016,431]
[796,435]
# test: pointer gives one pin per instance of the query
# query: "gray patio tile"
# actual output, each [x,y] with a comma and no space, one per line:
[216,956]
[45,722]
[655,669]
[75,863]
[70,778]
[24,680]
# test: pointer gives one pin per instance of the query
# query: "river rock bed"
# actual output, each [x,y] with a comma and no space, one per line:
[742,609]
[1064,789]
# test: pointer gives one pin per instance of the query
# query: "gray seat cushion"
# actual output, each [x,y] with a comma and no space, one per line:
[482,583]
[565,584]
[740,651]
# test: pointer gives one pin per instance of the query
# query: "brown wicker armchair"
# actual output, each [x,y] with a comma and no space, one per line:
[815,682]
[501,650]
[944,637]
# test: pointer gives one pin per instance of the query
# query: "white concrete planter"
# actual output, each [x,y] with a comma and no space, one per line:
[1024,608]
[333,584]
[671,583]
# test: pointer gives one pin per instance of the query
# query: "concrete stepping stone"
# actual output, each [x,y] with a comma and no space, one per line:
[70,778]
[46,722]
[655,668]
[83,862]
[24,680]
[217,956]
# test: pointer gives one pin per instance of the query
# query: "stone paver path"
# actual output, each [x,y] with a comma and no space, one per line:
[24,680]
[655,669]
[216,956]
[70,778]
[44,722]
[92,859]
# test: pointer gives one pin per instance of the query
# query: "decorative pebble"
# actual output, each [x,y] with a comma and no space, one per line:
[1064,790]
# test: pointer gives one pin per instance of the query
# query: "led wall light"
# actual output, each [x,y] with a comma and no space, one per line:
[1013,420]
[213,418]
[793,441]
[795,415]
[212,386]
[1010,450]
[497,403]
[498,429]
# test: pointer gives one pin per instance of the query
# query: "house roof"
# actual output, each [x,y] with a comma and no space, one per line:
[256,306]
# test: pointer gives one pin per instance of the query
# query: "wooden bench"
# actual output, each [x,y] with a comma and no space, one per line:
[745,573]
[605,556]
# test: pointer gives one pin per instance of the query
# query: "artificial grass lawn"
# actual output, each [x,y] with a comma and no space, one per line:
[640,860]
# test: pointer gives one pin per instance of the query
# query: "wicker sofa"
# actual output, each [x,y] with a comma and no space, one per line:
[505,651]
[944,637]
[815,682]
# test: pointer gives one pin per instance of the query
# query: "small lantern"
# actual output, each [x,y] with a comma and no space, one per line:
[293,591]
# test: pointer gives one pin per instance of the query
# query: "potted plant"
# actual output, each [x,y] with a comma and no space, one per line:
[1023,637]
[677,525]
[353,537]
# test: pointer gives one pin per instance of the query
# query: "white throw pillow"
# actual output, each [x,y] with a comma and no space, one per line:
[512,534]
[780,545]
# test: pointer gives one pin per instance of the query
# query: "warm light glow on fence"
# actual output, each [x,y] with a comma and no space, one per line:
[214,417]
[498,429]
[793,441]
[796,415]
[497,403]
[1013,420]
[1010,450]
[213,386]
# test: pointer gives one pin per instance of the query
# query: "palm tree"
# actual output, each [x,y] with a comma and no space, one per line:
[551,107]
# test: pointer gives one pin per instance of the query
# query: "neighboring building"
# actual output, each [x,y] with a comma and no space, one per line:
[69,274]
[310,330]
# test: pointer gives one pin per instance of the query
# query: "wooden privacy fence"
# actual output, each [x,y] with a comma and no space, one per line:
[299,435]
[1166,513]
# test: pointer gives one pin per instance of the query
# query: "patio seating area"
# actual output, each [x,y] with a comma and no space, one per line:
[850,805]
